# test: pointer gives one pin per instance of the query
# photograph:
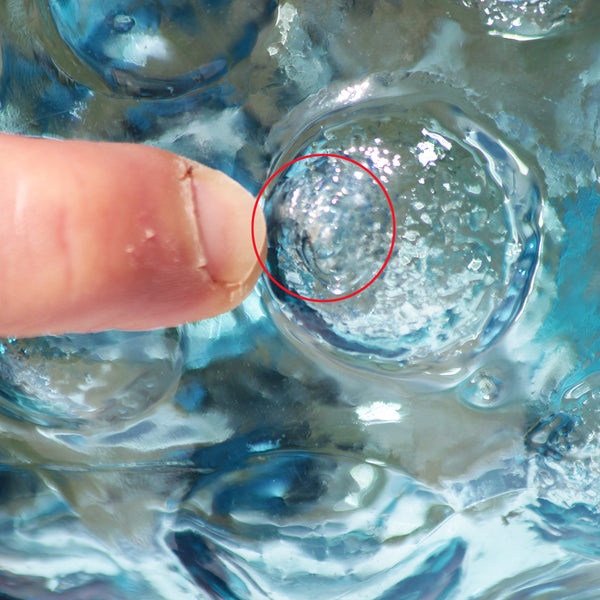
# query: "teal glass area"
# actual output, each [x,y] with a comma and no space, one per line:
[435,437]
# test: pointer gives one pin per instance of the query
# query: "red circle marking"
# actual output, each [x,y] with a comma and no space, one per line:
[262,264]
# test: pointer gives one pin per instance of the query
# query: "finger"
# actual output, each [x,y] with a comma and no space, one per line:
[97,236]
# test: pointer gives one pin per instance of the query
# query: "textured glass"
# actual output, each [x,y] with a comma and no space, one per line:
[467,232]
[530,19]
[434,437]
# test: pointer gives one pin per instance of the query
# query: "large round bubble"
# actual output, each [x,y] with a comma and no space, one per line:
[466,245]
[158,48]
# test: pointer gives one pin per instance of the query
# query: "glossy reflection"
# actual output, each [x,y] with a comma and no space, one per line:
[530,19]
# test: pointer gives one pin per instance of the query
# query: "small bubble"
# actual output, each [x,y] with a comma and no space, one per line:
[475,264]
[484,389]
[426,219]
[122,23]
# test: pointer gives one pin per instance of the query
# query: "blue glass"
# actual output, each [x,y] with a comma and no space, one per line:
[434,437]
[158,48]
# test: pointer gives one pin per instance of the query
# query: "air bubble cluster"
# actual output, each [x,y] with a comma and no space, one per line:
[327,252]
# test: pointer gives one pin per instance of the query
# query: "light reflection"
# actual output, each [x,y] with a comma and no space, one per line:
[380,412]
[353,92]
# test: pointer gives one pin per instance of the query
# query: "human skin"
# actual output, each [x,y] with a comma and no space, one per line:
[100,236]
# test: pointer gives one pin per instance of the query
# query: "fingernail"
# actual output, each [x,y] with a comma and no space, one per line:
[224,217]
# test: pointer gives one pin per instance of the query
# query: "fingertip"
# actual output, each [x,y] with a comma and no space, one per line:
[116,236]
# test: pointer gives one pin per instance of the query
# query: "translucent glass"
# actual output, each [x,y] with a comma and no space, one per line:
[531,19]
[467,232]
[434,436]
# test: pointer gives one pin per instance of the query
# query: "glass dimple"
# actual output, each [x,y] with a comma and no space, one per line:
[86,382]
[158,49]
[314,207]
[466,233]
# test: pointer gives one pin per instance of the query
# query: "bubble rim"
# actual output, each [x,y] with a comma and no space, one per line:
[257,253]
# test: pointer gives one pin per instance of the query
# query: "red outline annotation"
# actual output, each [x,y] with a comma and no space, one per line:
[389,255]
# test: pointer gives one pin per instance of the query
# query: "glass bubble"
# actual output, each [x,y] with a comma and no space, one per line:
[82,381]
[326,252]
[467,236]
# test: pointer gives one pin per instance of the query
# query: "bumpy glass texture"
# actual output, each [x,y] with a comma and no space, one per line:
[528,19]
[87,381]
[319,212]
[467,237]
[163,48]
[433,438]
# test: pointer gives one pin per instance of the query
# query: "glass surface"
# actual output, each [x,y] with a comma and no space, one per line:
[434,437]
